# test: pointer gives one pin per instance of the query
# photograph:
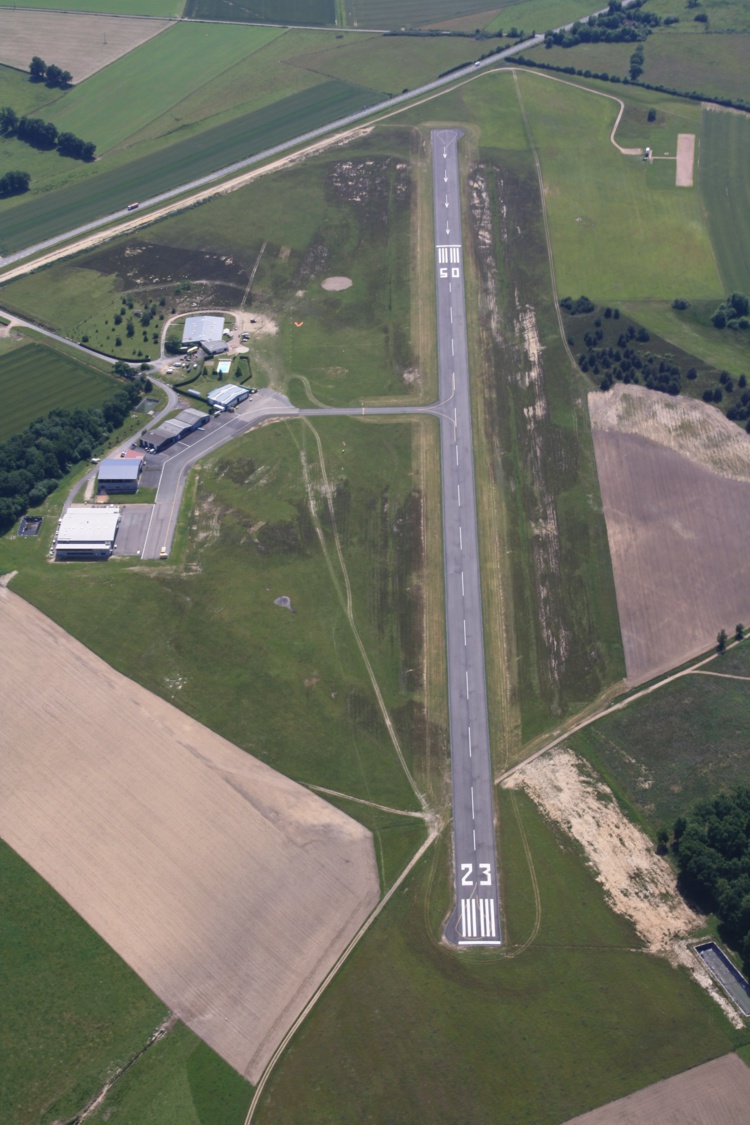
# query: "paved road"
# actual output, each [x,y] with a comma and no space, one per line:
[176,461]
[476,918]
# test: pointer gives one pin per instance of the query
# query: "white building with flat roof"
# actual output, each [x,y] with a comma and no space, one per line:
[199,328]
[87,533]
[227,397]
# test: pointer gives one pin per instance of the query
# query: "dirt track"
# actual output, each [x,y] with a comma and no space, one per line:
[229,889]
[677,526]
[76,41]
[685,159]
[717,1093]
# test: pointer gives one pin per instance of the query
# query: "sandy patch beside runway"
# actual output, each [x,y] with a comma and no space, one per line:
[717,1093]
[685,159]
[230,889]
[76,41]
[675,484]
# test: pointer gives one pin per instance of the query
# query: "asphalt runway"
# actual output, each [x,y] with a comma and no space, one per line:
[476,918]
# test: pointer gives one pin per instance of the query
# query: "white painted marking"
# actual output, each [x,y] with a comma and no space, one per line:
[467,684]
[463,594]
[454,380]
[482,921]
[469,741]
[492,917]
[464,631]
[450,286]
[473,904]
[460,539]
[447,204]
[451,311]
[447,228]
[453,349]
[456,454]
[455,416]
[474,834]
[458,486]
[455,254]
[472,803]
[463,917]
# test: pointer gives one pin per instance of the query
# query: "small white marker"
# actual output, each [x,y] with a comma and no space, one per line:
[474,834]
[464,630]
[455,416]
[456,454]
[469,741]
[467,683]
[451,314]
[463,594]
[453,350]
[454,380]
[458,486]
[460,539]
[472,803]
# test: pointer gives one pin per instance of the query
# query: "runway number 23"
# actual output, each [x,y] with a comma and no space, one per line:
[455,271]
[467,870]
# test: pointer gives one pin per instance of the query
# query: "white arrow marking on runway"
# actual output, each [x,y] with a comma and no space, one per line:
[445,177]
[447,204]
[447,228]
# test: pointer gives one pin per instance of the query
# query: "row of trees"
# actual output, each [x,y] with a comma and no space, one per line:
[44,135]
[14,183]
[33,462]
[712,847]
[53,75]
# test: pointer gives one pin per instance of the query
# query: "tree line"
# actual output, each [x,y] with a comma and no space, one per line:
[14,183]
[616,25]
[33,462]
[53,75]
[712,848]
[44,135]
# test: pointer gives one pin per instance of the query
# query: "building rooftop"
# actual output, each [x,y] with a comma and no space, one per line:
[202,328]
[86,526]
[223,396]
[120,468]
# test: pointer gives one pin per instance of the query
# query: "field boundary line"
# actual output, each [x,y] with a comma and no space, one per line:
[433,835]
[370,804]
[349,609]
[693,670]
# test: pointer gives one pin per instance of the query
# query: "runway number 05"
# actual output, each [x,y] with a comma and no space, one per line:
[485,870]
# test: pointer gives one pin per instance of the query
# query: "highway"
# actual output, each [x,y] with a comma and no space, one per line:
[476,917]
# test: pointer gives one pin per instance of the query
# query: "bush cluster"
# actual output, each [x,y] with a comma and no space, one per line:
[33,462]
[616,25]
[578,307]
[712,846]
[53,75]
[732,313]
[44,135]
[14,183]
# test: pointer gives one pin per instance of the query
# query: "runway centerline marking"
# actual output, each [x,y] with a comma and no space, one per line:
[464,632]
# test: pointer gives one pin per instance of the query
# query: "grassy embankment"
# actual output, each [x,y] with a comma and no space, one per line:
[577,1018]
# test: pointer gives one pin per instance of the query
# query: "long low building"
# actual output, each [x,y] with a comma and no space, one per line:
[87,533]
[174,429]
[227,397]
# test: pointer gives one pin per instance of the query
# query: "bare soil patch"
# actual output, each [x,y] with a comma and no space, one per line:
[76,41]
[228,888]
[678,535]
[336,284]
[716,1093]
[637,882]
[685,159]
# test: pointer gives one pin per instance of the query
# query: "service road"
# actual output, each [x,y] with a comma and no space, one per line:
[476,918]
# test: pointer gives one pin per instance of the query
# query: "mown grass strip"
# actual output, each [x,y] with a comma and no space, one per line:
[52,214]
[724,179]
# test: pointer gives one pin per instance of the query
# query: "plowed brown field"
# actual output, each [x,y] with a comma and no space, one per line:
[76,41]
[717,1093]
[677,523]
[228,888]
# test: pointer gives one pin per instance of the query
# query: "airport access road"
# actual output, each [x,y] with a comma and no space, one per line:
[476,917]
[176,461]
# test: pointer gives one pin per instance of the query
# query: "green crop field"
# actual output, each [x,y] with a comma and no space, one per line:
[162,8]
[26,223]
[538,15]
[715,65]
[302,13]
[409,13]
[135,90]
[601,58]
[580,1017]
[35,379]
[724,178]
[678,745]
[620,229]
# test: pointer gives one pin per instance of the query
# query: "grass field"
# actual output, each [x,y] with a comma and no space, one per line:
[620,229]
[602,58]
[724,179]
[678,745]
[117,102]
[72,1010]
[35,379]
[538,15]
[252,541]
[692,331]
[508,1035]
[310,13]
[164,8]
[715,65]
[409,13]
[47,215]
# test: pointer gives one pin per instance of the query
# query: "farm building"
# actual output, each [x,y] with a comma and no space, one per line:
[213,347]
[199,328]
[87,533]
[227,397]
[174,429]
[120,474]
